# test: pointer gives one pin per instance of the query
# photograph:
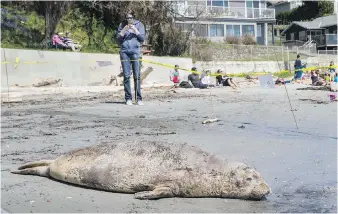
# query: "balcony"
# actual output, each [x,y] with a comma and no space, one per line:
[326,40]
[224,12]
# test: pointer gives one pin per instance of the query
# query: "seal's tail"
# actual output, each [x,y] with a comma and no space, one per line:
[40,168]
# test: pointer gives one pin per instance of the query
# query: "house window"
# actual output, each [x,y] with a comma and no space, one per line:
[183,26]
[259,30]
[249,9]
[217,30]
[222,3]
[233,30]
[263,4]
[201,30]
[179,26]
[256,9]
[248,30]
[302,35]
[292,35]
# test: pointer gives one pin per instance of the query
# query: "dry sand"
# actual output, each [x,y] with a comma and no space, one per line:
[256,127]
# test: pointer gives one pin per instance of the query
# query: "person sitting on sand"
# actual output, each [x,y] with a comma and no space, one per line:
[316,80]
[335,79]
[224,79]
[331,71]
[205,78]
[195,79]
[175,76]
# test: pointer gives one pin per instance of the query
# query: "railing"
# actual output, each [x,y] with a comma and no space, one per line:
[291,43]
[224,12]
[326,40]
[329,52]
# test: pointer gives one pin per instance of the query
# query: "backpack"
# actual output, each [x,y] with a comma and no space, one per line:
[185,84]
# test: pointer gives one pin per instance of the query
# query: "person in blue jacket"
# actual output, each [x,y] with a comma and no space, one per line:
[130,35]
[298,68]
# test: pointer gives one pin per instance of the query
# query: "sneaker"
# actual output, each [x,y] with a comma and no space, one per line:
[129,103]
[140,103]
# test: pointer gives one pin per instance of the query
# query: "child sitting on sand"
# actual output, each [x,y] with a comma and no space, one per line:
[316,80]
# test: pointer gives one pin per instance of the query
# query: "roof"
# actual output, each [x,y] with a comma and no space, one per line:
[316,24]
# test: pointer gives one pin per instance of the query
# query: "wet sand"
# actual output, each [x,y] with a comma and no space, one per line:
[256,127]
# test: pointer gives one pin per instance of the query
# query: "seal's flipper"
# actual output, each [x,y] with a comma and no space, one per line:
[161,192]
[39,170]
[36,164]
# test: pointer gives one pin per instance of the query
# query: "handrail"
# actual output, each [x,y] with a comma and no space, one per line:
[221,11]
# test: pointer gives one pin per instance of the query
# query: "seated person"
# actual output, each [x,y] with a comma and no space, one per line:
[205,78]
[57,41]
[280,81]
[176,76]
[70,43]
[327,77]
[224,79]
[195,79]
[332,71]
[316,80]
[335,79]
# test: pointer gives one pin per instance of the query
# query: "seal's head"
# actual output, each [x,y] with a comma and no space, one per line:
[247,183]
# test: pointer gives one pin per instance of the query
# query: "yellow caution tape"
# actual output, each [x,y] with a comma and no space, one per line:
[17,61]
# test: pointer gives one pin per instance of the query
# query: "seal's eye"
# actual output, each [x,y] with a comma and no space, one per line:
[249,179]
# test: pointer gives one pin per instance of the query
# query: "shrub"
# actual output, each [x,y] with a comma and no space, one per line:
[248,40]
[232,40]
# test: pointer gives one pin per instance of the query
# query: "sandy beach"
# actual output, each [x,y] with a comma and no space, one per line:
[256,127]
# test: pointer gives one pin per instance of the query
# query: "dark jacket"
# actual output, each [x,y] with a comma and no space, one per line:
[131,42]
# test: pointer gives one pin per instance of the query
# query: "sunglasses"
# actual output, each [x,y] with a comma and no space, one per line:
[130,17]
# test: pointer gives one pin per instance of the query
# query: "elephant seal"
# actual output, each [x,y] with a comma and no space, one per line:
[153,170]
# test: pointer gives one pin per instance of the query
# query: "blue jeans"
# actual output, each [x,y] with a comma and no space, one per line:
[125,57]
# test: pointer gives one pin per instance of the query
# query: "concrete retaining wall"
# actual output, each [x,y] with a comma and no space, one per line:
[75,69]
[82,69]
[236,67]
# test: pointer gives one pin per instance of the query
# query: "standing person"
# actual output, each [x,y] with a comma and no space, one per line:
[130,35]
[298,68]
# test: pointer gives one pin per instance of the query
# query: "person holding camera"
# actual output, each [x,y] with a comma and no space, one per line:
[130,35]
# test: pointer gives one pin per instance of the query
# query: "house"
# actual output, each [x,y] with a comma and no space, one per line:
[219,19]
[282,6]
[322,31]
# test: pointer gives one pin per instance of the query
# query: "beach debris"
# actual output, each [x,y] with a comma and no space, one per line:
[210,120]
[145,73]
[47,82]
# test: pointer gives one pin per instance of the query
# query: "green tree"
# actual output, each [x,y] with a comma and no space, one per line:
[325,8]
[308,11]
